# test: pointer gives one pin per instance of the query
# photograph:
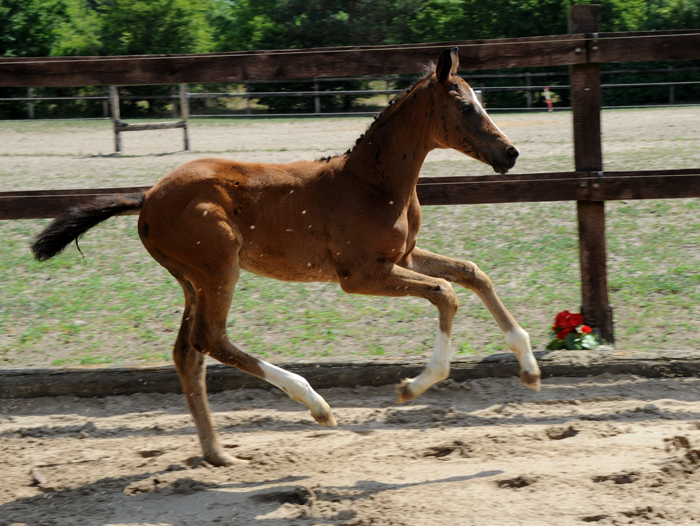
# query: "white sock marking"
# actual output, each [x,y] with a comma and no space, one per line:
[296,387]
[437,369]
[519,342]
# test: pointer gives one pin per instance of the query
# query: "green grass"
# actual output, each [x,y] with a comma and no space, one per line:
[118,306]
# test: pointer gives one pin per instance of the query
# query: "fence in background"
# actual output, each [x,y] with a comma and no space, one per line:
[584,49]
[317,91]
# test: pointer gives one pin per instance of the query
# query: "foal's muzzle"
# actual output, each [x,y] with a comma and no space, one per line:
[512,153]
[506,161]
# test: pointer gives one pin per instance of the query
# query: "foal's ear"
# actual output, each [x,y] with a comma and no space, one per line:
[447,64]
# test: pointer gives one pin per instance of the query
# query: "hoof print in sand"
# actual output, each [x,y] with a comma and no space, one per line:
[520,481]
[556,433]
[458,447]
[298,496]
[626,477]
[594,518]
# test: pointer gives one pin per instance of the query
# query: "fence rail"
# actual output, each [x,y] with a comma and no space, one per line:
[584,50]
[469,190]
[251,95]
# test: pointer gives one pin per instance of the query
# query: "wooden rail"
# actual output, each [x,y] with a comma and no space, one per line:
[470,190]
[584,50]
[559,50]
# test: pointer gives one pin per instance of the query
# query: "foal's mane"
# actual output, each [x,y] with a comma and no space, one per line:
[388,111]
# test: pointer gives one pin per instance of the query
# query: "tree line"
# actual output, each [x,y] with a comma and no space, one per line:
[126,27]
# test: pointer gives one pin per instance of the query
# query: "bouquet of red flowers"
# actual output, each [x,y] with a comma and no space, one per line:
[569,332]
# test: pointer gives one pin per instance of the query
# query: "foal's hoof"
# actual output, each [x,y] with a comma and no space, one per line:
[325,419]
[221,459]
[404,392]
[531,381]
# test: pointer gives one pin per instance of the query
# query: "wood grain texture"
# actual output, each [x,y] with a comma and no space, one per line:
[586,102]
[646,46]
[584,18]
[122,126]
[469,190]
[286,64]
[39,204]
[595,300]
[108,381]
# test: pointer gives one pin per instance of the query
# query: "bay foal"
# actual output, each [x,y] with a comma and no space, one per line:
[351,219]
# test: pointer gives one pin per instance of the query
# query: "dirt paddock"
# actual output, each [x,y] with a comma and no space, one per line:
[607,450]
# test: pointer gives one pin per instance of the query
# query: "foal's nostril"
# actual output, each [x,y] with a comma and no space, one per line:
[512,153]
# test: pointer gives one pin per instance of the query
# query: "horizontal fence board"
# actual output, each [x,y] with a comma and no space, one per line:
[107,381]
[646,46]
[563,186]
[50,203]
[124,127]
[287,64]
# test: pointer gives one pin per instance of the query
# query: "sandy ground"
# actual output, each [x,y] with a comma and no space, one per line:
[607,450]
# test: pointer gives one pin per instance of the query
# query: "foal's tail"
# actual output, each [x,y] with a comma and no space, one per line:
[78,220]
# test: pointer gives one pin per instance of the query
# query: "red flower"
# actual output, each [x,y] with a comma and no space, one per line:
[586,329]
[566,319]
[562,333]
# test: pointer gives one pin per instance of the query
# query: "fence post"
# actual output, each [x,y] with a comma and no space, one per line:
[116,116]
[248,109]
[588,155]
[185,113]
[30,106]
[317,99]
[671,89]
[105,103]
[173,95]
[528,93]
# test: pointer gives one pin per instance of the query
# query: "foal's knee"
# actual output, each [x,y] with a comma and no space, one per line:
[446,297]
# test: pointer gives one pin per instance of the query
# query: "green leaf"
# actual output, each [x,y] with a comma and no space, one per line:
[555,345]
[573,341]
[588,341]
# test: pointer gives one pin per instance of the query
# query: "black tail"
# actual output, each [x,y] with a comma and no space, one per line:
[78,220]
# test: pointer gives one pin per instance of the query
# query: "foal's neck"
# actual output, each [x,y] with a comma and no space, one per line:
[392,152]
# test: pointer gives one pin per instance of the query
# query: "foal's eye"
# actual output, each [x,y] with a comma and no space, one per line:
[466,110]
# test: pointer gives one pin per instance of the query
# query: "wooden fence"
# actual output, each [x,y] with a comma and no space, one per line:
[584,49]
[477,81]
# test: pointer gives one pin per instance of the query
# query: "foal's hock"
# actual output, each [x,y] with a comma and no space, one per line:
[351,219]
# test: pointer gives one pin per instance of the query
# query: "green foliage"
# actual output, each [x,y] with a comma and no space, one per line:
[275,24]
[134,27]
[573,342]
[112,27]
[28,27]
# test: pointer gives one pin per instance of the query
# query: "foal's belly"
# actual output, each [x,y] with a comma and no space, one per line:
[291,268]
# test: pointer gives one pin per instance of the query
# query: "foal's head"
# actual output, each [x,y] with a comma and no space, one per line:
[462,123]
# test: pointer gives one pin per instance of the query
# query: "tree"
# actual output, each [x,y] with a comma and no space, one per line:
[133,27]
[28,26]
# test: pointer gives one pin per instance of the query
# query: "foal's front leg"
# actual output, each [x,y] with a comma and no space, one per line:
[470,276]
[387,279]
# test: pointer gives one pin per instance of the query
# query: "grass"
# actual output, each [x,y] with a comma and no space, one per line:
[119,307]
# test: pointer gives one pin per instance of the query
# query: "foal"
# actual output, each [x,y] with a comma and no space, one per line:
[351,219]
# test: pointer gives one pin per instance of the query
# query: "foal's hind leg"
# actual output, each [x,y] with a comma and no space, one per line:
[214,291]
[191,369]
[470,276]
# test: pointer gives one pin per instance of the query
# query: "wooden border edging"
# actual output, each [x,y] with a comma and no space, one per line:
[108,381]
